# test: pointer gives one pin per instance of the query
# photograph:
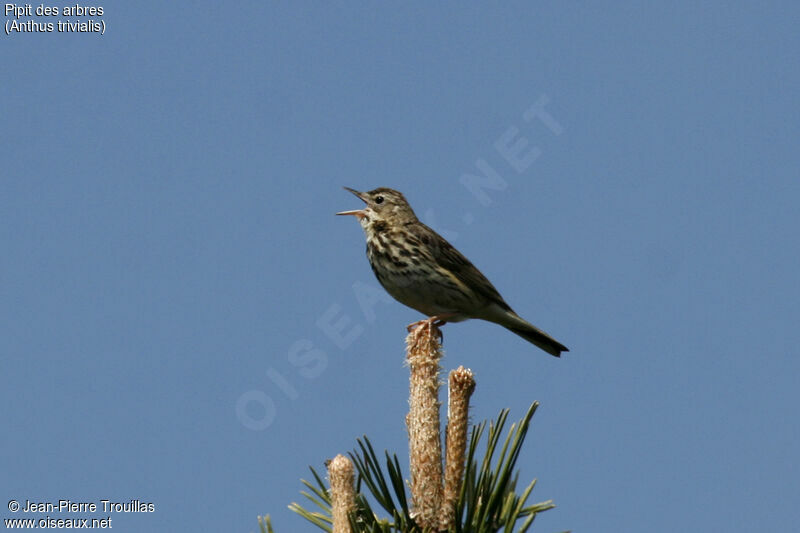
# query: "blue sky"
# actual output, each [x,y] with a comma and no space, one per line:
[169,252]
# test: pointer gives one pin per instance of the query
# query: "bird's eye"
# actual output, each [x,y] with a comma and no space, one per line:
[379,199]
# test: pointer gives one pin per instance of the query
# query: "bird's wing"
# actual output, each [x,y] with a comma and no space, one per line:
[454,261]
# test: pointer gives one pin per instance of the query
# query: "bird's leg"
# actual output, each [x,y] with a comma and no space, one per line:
[441,320]
[435,321]
[415,325]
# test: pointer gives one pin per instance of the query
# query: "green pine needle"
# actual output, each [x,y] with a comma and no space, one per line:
[488,500]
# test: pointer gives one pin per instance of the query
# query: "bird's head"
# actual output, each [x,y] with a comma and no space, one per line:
[383,205]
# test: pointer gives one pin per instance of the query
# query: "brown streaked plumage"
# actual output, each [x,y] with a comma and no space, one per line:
[420,269]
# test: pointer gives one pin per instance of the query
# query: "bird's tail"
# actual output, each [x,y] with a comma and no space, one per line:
[506,317]
[513,322]
[539,338]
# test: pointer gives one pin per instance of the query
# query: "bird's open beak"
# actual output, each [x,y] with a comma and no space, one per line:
[358,213]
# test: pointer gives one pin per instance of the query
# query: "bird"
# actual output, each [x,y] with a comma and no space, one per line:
[421,270]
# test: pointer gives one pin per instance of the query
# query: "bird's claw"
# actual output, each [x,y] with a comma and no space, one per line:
[434,321]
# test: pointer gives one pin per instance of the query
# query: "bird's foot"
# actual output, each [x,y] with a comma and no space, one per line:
[414,325]
[434,321]
[438,320]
